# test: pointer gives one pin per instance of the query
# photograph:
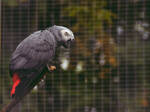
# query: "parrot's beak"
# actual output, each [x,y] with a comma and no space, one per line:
[69,43]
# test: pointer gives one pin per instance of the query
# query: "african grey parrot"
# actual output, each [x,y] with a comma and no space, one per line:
[35,53]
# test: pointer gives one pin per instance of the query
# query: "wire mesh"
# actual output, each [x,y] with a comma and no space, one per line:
[106,70]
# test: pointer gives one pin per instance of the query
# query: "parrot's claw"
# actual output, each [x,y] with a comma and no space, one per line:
[51,68]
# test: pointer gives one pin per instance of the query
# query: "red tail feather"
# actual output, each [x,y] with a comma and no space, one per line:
[16,81]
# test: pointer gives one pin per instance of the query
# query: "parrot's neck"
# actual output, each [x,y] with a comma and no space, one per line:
[56,36]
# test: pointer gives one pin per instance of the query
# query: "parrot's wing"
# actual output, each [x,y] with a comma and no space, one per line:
[32,53]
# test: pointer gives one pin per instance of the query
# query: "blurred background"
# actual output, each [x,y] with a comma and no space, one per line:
[108,68]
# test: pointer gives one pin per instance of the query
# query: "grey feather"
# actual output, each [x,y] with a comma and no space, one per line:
[34,52]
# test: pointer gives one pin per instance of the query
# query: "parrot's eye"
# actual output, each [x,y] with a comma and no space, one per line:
[66,34]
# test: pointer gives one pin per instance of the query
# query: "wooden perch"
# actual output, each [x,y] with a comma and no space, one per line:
[10,106]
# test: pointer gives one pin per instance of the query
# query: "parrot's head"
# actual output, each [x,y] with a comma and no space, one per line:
[64,36]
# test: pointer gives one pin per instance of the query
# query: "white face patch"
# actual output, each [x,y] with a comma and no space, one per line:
[67,34]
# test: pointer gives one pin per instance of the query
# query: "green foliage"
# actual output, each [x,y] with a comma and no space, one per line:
[10,2]
[89,18]
[13,3]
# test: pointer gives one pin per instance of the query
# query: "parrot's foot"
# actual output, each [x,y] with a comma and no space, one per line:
[51,68]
